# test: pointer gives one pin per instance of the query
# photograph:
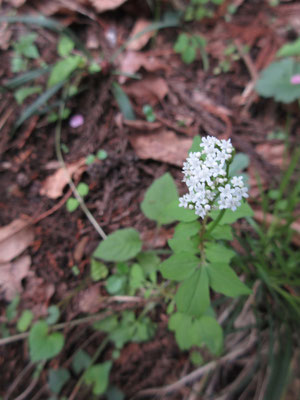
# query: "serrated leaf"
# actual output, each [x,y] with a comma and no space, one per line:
[65,46]
[25,320]
[182,325]
[231,216]
[108,324]
[192,297]
[42,344]
[57,379]
[185,244]
[98,270]
[98,376]
[187,229]
[149,261]
[136,276]
[210,333]
[216,252]
[181,43]
[179,266]
[63,69]
[121,245]
[275,81]
[179,213]
[81,361]
[189,54]
[157,198]
[222,232]
[115,284]
[223,279]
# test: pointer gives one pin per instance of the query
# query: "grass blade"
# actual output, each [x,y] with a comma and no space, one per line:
[25,78]
[33,108]
[123,101]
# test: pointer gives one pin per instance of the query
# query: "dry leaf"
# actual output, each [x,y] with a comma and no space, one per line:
[89,300]
[157,239]
[79,249]
[139,42]
[132,61]
[271,152]
[11,275]
[54,185]
[163,146]
[148,91]
[104,5]
[14,239]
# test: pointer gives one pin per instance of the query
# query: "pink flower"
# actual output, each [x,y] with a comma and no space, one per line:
[295,79]
[76,121]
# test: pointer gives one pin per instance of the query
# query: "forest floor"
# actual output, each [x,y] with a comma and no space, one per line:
[186,100]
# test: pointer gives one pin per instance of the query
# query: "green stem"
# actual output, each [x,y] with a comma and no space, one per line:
[216,221]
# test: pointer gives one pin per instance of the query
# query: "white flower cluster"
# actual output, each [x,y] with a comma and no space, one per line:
[206,175]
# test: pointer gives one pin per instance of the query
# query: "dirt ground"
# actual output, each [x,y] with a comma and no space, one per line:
[223,105]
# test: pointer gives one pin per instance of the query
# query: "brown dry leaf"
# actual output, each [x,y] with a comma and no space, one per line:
[157,239]
[54,185]
[14,239]
[148,91]
[89,300]
[273,153]
[142,125]
[79,249]
[104,5]
[11,275]
[139,42]
[38,292]
[132,61]
[163,146]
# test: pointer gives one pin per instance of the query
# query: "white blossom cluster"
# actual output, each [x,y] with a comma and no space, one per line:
[206,176]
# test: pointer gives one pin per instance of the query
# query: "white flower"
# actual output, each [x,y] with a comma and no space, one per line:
[205,174]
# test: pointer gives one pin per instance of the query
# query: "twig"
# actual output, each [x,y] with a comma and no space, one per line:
[196,374]
[17,380]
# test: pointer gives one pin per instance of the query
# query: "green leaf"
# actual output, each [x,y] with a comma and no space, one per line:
[136,277]
[192,297]
[26,47]
[196,358]
[222,232]
[108,324]
[42,345]
[239,163]
[98,375]
[157,199]
[123,101]
[101,154]
[83,189]
[90,159]
[179,266]
[18,64]
[113,393]
[94,67]
[189,55]
[149,261]
[176,213]
[290,49]
[25,320]
[65,46]
[22,93]
[72,204]
[216,252]
[57,379]
[98,270]
[210,333]
[81,361]
[182,325]
[275,81]
[181,43]
[231,216]
[12,308]
[63,69]
[121,245]
[53,315]
[185,244]
[25,78]
[224,280]
[115,284]
[187,229]
[196,144]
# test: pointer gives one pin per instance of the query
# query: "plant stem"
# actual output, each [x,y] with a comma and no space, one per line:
[216,221]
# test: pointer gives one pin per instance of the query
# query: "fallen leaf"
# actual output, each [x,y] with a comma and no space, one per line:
[157,239]
[14,239]
[11,275]
[54,185]
[140,41]
[132,61]
[271,152]
[89,300]
[163,146]
[38,293]
[79,249]
[142,125]
[148,91]
[104,5]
